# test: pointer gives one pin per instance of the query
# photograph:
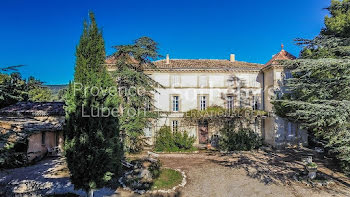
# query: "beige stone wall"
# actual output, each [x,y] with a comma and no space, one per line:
[37,149]
[189,87]
[277,131]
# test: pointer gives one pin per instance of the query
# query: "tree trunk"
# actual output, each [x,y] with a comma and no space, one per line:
[91,193]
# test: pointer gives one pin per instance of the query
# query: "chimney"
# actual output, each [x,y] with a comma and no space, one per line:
[167,59]
[232,57]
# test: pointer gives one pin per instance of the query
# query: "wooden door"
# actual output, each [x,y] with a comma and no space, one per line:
[203,132]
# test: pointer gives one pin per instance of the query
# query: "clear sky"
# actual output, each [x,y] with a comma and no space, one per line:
[43,34]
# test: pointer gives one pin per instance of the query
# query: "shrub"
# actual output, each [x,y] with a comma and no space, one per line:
[183,141]
[164,140]
[154,168]
[241,140]
[167,141]
[13,155]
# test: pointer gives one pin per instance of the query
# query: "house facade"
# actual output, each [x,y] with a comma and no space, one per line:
[199,83]
[189,84]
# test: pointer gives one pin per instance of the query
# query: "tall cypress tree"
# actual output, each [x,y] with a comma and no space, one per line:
[93,148]
[319,95]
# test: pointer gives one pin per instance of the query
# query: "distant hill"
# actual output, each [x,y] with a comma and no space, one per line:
[56,88]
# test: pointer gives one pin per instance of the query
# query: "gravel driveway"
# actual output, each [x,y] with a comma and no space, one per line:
[241,174]
[213,175]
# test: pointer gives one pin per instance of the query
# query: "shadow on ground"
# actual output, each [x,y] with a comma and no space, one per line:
[176,194]
[281,166]
[46,177]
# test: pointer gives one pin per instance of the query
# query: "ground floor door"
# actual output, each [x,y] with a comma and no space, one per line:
[203,134]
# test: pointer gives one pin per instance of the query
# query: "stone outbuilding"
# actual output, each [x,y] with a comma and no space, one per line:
[30,131]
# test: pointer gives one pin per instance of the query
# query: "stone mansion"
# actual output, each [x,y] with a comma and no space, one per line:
[199,83]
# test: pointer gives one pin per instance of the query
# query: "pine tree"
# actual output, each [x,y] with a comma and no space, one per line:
[93,148]
[137,89]
[37,92]
[319,92]
[12,89]
[339,22]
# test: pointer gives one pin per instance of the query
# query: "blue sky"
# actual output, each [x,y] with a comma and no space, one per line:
[43,34]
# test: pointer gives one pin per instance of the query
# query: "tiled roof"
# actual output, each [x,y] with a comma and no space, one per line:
[110,60]
[199,64]
[34,109]
[17,129]
[204,64]
[282,55]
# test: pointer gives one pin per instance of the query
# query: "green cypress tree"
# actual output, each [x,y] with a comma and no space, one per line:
[93,148]
[319,92]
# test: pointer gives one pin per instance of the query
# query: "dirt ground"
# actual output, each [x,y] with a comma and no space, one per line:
[251,174]
[257,173]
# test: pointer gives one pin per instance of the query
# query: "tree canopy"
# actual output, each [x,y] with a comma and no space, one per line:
[137,89]
[13,88]
[318,95]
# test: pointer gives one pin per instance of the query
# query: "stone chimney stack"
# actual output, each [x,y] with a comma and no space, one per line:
[167,59]
[232,57]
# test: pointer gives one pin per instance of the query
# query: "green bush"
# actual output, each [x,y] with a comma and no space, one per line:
[183,141]
[241,140]
[167,141]
[164,140]
[154,168]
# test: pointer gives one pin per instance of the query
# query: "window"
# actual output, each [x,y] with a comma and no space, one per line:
[203,81]
[148,106]
[255,103]
[252,82]
[288,75]
[148,132]
[202,102]
[175,103]
[43,135]
[175,125]
[230,102]
[176,81]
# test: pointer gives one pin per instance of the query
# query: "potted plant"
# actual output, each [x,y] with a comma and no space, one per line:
[208,146]
[312,169]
